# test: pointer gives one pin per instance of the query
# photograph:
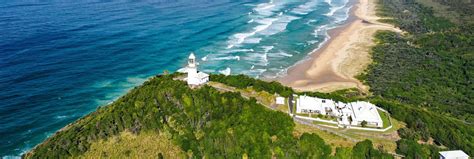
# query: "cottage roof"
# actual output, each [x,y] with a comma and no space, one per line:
[453,154]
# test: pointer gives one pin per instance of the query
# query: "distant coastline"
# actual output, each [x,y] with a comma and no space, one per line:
[343,56]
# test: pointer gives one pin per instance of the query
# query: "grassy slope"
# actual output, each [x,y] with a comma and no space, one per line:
[385,119]
[127,145]
[330,138]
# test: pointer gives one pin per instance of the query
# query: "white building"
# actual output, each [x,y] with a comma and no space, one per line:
[456,154]
[280,100]
[194,76]
[365,111]
[344,112]
[347,113]
[306,104]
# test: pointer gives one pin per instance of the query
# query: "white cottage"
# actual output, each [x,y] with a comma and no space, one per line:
[365,111]
[280,100]
[194,76]
[455,154]
[306,104]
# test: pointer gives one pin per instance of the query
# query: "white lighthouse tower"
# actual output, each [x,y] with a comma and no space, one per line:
[194,76]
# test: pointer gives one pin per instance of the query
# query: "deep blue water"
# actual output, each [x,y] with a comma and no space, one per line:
[61,60]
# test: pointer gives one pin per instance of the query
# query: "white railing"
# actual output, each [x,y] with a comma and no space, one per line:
[371,129]
[315,119]
[333,122]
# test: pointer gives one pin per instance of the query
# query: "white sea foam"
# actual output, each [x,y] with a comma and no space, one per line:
[265,8]
[269,23]
[333,10]
[312,41]
[227,58]
[102,84]
[225,71]
[326,38]
[320,30]
[280,54]
[267,48]
[239,38]
[22,150]
[345,15]
[237,50]
[257,71]
[14,157]
[281,72]
[252,40]
[134,81]
[257,59]
[328,2]
[204,58]
[265,58]
[279,25]
[61,116]
[305,8]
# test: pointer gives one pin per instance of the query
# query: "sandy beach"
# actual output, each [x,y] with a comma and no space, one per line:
[344,56]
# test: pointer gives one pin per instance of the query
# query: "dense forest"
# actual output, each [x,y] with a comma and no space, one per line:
[431,66]
[203,122]
[424,77]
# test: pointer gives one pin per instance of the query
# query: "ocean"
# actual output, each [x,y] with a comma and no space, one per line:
[60,60]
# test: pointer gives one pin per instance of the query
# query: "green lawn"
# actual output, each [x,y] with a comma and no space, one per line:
[302,114]
[323,123]
[385,119]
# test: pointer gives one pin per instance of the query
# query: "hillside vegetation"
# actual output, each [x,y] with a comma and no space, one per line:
[422,124]
[129,145]
[425,77]
[202,122]
[432,66]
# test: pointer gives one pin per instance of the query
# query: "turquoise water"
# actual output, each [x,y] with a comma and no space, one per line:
[61,60]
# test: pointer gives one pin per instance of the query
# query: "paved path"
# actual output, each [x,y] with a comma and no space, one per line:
[224,89]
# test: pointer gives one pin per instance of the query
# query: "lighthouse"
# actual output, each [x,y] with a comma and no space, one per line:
[195,78]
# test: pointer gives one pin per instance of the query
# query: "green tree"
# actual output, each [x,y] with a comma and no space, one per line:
[363,123]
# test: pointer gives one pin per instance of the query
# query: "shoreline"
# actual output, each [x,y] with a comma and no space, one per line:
[346,54]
